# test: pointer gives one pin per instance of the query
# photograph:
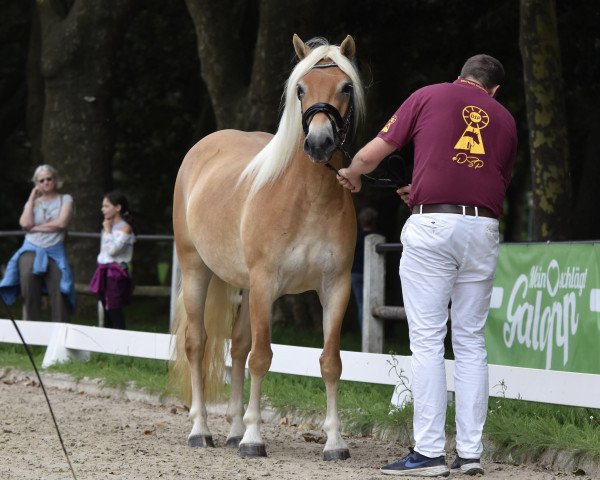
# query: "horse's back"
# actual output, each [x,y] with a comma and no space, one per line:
[208,196]
[227,150]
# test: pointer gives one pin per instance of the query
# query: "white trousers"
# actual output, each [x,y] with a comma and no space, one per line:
[448,257]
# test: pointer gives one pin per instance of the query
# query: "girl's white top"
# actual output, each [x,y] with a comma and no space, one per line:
[116,246]
[44,211]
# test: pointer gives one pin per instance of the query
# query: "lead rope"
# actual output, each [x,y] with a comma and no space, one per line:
[375,182]
[62,444]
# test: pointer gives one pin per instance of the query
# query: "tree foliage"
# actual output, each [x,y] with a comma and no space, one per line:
[114,93]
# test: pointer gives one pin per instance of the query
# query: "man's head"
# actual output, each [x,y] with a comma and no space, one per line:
[485,70]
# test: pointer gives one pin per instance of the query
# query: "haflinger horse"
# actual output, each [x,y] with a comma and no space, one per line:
[260,213]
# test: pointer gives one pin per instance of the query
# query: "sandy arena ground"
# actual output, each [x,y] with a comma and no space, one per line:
[109,437]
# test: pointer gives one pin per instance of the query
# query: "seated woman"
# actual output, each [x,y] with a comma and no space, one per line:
[40,265]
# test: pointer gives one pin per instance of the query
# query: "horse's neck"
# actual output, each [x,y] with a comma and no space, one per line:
[317,181]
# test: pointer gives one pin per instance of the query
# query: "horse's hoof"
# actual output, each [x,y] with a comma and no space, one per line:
[200,441]
[252,450]
[340,454]
[233,442]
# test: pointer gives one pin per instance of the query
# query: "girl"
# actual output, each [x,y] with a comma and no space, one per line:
[111,281]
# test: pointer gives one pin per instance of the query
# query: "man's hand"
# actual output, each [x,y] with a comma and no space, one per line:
[349,180]
[365,161]
[404,192]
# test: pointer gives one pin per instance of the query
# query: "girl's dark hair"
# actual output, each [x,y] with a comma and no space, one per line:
[118,198]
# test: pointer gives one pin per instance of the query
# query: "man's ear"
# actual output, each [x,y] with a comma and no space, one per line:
[493,90]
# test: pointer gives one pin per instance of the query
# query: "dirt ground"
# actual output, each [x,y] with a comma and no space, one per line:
[111,437]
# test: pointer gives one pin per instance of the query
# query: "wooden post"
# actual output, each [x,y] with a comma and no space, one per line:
[373,294]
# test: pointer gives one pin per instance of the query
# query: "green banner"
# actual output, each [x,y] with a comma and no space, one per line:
[545,307]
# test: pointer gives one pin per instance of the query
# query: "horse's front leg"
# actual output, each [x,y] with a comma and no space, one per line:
[334,298]
[195,286]
[240,346]
[252,444]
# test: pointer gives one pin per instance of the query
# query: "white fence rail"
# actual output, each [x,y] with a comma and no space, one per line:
[64,341]
[140,290]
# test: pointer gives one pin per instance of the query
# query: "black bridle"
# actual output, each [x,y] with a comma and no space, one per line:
[339,125]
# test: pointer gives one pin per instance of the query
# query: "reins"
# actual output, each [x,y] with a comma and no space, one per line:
[394,181]
[62,444]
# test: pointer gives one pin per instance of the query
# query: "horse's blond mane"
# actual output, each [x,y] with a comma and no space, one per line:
[275,157]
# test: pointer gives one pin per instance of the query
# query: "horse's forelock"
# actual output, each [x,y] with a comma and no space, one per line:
[323,52]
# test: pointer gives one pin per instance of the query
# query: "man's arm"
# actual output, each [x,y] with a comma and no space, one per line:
[365,161]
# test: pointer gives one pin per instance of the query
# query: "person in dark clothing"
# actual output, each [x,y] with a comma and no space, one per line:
[367,224]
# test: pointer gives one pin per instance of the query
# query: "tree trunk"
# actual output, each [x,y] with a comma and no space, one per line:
[548,145]
[78,43]
[35,92]
[246,55]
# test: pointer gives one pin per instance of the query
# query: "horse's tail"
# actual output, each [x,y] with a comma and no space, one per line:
[220,312]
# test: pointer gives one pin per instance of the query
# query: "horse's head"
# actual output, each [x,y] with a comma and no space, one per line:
[325,91]
[326,95]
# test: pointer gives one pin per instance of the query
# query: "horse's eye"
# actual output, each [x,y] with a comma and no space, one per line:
[347,89]
[299,92]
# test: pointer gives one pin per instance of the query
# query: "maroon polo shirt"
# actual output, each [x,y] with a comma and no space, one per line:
[465,145]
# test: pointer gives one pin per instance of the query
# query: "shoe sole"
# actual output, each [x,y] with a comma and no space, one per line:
[469,469]
[440,471]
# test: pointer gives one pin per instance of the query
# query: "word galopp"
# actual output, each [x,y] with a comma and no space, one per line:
[539,327]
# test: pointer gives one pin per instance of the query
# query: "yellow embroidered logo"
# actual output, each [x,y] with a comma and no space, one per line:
[471,162]
[476,119]
[387,126]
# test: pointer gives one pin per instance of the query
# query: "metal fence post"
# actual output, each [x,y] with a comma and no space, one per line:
[373,294]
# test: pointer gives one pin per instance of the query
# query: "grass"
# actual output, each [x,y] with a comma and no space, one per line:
[525,429]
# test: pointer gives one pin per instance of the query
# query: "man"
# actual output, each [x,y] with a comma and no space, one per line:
[464,149]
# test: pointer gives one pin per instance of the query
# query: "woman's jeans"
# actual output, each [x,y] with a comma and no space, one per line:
[32,287]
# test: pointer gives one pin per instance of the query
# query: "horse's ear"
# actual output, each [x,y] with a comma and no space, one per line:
[348,48]
[301,48]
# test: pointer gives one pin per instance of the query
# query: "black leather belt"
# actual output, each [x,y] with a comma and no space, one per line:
[459,209]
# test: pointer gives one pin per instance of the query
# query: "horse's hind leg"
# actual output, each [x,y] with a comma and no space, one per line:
[195,286]
[334,301]
[240,347]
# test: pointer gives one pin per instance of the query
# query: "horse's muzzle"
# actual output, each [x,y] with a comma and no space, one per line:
[320,151]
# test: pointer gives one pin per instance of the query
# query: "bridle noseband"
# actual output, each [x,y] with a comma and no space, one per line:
[339,125]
